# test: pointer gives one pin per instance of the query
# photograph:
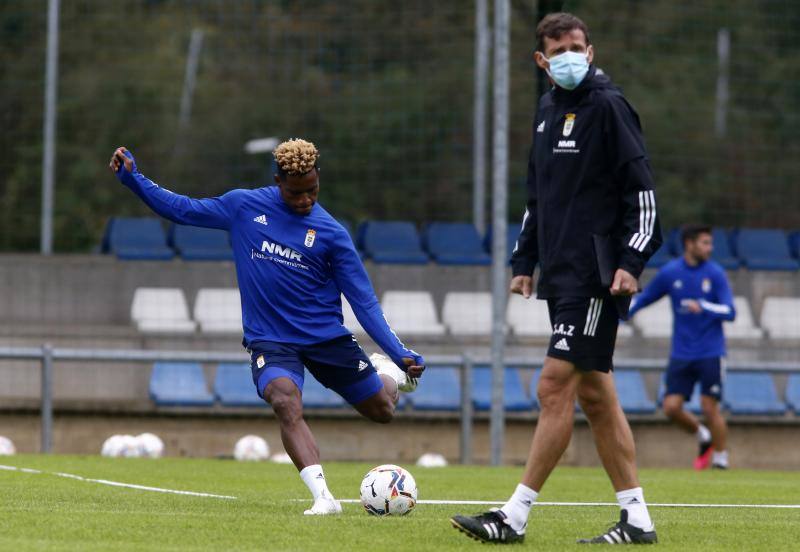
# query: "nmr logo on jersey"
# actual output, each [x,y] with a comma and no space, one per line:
[276,249]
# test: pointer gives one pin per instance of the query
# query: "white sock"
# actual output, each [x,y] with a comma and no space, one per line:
[519,506]
[719,458]
[632,500]
[314,479]
[703,434]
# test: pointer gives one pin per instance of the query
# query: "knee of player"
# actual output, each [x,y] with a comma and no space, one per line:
[285,405]
[383,413]
[710,407]
[672,408]
[551,394]
[591,404]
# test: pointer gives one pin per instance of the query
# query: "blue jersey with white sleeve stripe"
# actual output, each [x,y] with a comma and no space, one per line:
[694,335]
[291,268]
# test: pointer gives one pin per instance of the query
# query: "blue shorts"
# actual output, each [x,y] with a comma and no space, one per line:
[339,364]
[683,374]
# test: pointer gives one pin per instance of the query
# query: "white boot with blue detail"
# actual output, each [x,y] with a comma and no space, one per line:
[384,366]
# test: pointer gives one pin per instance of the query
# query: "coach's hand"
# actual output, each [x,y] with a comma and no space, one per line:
[522,285]
[412,369]
[624,283]
[121,157]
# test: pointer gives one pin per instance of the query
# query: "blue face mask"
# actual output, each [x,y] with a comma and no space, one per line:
[568,69]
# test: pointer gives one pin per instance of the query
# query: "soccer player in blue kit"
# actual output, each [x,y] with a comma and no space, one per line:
[701,301]
[293,261]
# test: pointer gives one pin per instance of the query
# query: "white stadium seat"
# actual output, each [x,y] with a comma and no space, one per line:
[468,313]
[218,311]
[350,320]
[161,310]
[411,313]
[743,326]
[655,320]
[780,317]
[528,317]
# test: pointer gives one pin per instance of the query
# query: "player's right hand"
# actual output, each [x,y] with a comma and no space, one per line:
[522,285]
[414,368]
[119,158]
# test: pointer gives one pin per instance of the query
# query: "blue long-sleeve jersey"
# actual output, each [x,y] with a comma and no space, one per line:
[291,268]
[694,336]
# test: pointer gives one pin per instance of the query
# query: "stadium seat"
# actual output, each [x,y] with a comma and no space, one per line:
[764,250]
[233,385]
[179,384]
[793,392]
[692,406]
[200,244]
[661,257]
[316,395]
[532,389]
[440,389]
[218,310]
[722,254]
[794,244]
[350,320]
[412,313]
[780,317]
[468,313]
[161,310]
[752,393]
[632,393]
[137,238]
[743,326]
[514,398]
[454,243]
[391,242]
[528,317]
[512,233]
[655,321]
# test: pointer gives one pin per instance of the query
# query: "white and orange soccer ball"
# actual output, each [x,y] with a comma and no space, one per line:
[388,490]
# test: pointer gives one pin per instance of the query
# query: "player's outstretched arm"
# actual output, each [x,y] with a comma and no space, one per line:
[211,212]
[654,291]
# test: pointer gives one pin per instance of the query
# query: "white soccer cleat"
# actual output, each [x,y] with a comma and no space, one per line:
[384,365]
[324,506]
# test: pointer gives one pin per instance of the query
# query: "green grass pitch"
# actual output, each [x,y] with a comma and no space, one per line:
[46,512]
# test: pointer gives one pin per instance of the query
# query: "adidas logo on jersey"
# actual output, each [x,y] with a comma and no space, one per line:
[362,365]
[562,345]
[261,219]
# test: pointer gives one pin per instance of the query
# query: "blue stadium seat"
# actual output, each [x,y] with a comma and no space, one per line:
[137,239]
[514,397]
[692,406]
[661,257]
[316,395]
[179,384]
[764,250]
[794,244]
[439,389]
[793,392]
[455,243]
[632,393]
[723,254]
[532,388]
[512,233]
[233,385]
[200,244]
[391,242]
[752,393]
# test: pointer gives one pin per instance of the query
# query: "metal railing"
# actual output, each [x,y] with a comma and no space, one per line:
[47,355]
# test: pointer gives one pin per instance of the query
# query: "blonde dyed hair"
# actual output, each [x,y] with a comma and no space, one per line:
[296,156]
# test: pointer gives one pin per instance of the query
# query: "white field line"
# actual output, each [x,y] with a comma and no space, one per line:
[659,505]
[116,483]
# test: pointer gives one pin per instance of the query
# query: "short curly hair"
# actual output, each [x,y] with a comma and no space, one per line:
[296,157]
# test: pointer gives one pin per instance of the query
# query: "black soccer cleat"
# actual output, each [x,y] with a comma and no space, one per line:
[623,533]
[488,527]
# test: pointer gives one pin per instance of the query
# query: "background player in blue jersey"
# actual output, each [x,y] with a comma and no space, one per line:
[293,261]
[701,301]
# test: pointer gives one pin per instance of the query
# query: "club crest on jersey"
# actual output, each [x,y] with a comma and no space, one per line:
[311,235]
[569,122]
[706,285]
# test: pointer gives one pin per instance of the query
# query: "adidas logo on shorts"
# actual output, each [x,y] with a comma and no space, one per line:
[362,365]
[562,344]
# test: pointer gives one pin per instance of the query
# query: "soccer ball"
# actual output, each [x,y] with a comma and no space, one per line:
[112,446]
[7,447]
[432,460]
[251,448]
[388,490]
[128,447]
[150,445]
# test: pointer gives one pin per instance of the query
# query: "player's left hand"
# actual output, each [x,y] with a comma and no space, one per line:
[413,369]
[121,157]
[692,306]
[624,283]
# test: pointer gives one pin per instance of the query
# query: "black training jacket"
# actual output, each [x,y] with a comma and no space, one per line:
[588,173]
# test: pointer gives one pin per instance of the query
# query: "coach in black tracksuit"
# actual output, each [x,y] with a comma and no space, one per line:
[590,225]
